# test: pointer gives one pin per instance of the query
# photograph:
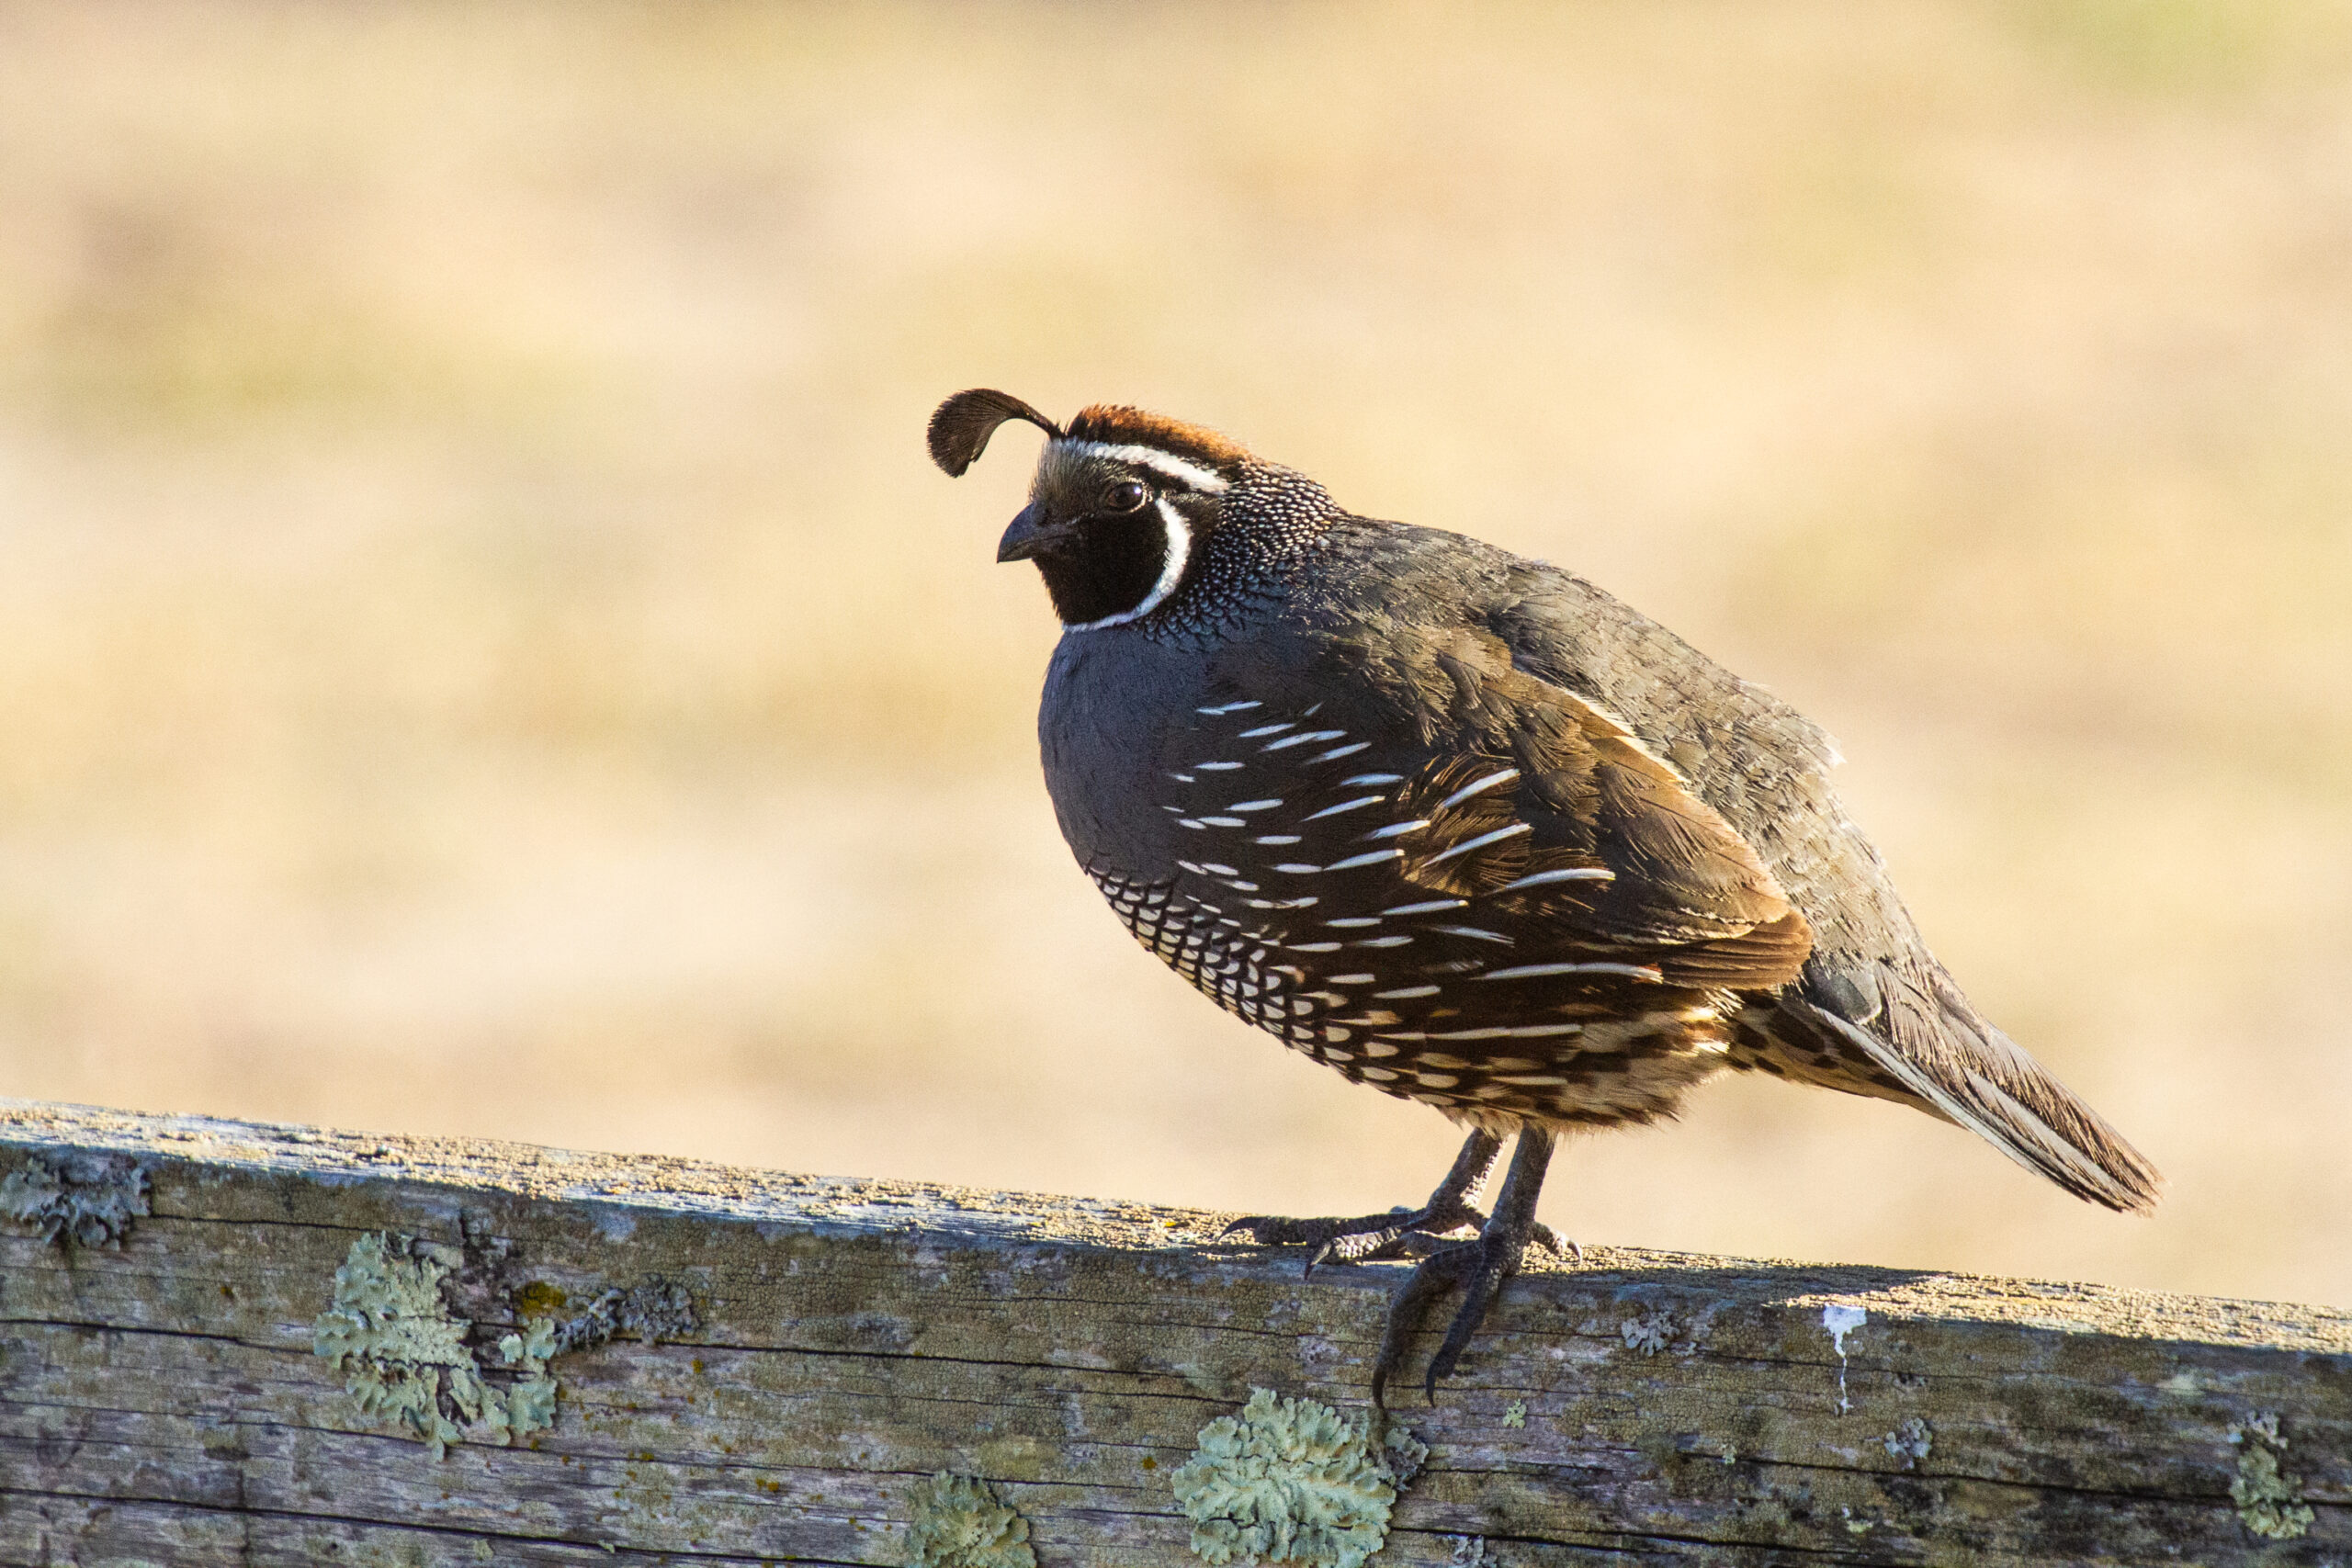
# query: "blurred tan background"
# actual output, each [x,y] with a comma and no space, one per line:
[481,649]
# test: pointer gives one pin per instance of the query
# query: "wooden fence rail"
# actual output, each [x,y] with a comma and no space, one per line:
[223,1343]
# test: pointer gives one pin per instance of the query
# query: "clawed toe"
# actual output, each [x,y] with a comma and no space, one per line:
[1555,1243]
[1481,1268]
[1400,1233]
[1328,1236]
[1404,1244]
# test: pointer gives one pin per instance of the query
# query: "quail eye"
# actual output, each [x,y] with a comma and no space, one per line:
[1128,496]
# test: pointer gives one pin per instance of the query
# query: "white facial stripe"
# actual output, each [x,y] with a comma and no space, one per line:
[1180,548]
[1192,476]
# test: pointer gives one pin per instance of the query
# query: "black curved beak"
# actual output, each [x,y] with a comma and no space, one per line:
[1029,534]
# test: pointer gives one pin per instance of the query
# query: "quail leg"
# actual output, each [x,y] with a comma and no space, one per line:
[1400,1233]
[1479,1267]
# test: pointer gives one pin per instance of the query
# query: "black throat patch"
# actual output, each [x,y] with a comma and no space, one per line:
[1110,570]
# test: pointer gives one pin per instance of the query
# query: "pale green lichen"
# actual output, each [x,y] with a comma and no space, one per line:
[407,1359]
[1405,1454]
[1291,1481]
[1515,1414]
[1650,1333]
[2268,1502]
[959,1522]
[403,1354]
[90,1204]
[656,1310]
[1911,1442]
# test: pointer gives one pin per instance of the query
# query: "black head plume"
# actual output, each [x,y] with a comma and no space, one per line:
[962,425]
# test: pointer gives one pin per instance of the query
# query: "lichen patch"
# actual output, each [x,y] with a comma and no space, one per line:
[88,1203]
[1292,1481]
[1911,1442]
[408,1360]
[960,1522]
[656,1310]
[2269,1502]
[1650,1333]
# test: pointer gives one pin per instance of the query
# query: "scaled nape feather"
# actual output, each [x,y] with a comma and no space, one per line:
[1462,826]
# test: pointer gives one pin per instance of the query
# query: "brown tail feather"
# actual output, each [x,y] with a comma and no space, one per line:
[1940,1054]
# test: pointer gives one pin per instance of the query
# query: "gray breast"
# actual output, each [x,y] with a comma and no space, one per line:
[1111,698]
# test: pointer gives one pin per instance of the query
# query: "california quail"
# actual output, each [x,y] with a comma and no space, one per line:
[1464,827]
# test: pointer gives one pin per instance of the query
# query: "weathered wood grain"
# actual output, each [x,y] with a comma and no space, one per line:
[161,1402]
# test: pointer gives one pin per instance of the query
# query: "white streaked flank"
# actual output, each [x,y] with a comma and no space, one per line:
[1349,749]
[1375,858]
[1434,905]
[1305,738]
[1265,729]
[1215,767]
[1541,971]
[1221,711]
[1571,874]
[1404,993]
[1275,838]
[1395,829]
[1476,785]
[1482,841]
[1344,805]
[1253,805]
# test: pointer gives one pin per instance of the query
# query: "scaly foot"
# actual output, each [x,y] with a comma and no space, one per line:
[1401,1232]
[1377,1235]
[1479,1267]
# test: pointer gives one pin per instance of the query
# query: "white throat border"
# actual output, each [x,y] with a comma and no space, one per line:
[1179,545]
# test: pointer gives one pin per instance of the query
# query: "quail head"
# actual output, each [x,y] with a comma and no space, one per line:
[1461,827]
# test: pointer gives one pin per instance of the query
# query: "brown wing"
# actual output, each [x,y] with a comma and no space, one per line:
[1515,910]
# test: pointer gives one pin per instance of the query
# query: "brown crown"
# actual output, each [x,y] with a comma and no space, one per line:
[1118,425]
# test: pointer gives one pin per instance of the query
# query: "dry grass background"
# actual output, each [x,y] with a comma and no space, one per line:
[482,649]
